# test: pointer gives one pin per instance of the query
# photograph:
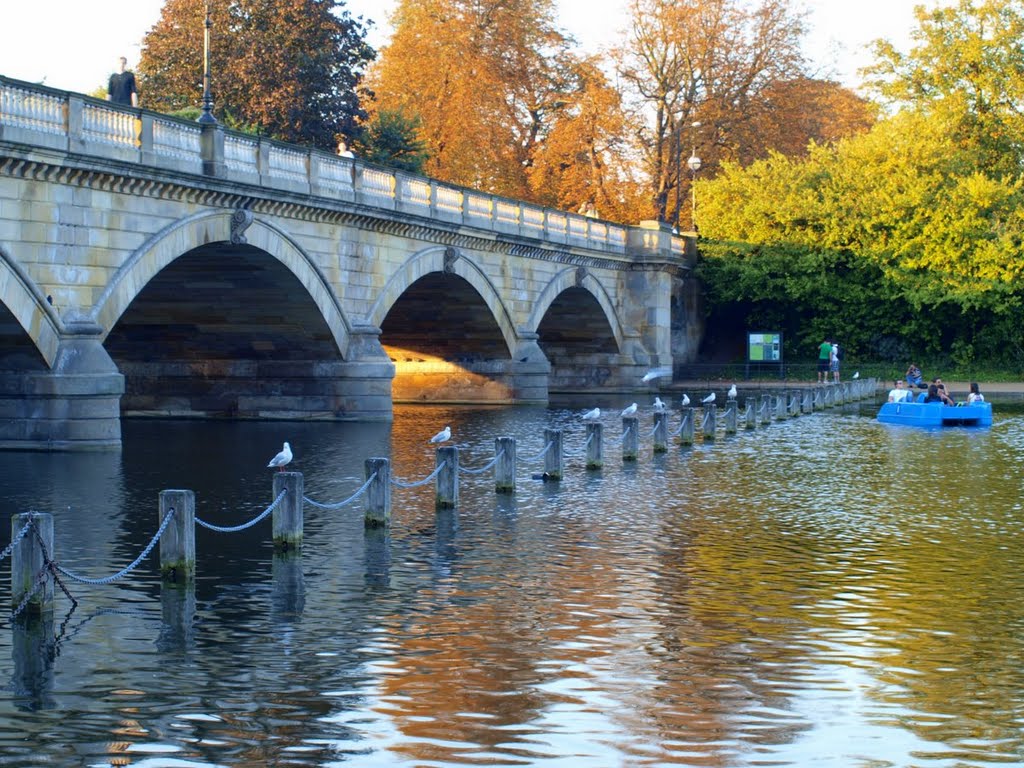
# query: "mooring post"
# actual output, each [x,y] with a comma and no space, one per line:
[818,402]
[178,543]
[28,562]
[630,438]
[505,466]
[807,404]
[660,432]
[686,428]
[780,406]
[378,493]
[749,416]
[708,427]
[287,515]
[794,403]
[766,409]
[553,463]
[447,483]
[595,445]
[730,417]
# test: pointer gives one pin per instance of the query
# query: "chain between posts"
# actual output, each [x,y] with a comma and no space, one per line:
[540,455]
[128,568]
[349,500]
[485,467]
[424,481]
[243,526]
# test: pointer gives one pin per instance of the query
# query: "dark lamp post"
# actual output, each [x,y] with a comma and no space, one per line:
[207,116]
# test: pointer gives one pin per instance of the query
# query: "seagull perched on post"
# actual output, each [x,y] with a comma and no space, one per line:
[732,392]
[282,458]
[709,399]
[657,373]
[592,415]
[659,405]
[629,410]
[686,400]
[444,434]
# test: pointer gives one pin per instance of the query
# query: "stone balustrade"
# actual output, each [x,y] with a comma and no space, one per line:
[41,117]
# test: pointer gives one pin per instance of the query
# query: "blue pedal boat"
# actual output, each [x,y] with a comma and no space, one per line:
[936,414]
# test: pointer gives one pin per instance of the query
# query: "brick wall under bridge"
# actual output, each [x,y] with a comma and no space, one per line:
[150,266]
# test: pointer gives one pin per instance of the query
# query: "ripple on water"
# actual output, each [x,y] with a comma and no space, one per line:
[828,590]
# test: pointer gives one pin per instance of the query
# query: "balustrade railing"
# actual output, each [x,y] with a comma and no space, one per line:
[36,114]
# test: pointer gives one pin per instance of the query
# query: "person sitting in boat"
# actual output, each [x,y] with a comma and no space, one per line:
[975,396]
[936,395]
[946,398]
[914,376]
[899,394]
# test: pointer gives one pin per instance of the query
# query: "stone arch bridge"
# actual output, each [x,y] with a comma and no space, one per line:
[152,266]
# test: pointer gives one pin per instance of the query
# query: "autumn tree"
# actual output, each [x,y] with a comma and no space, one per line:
[706,62]
[289,68]
[583,156]
[483,77]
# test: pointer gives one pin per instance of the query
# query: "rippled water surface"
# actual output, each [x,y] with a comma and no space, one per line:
[823,591]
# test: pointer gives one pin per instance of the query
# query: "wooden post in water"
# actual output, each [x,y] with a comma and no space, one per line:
[178,543]
[780,406]
[731,407]
[287,516]
[818,402]
[447,483]
[749,417]
[505,467]
[686,428]
[630,438]
[553,463]
[28,562]
[377,505]
[708,427]
[807,404]
[794,403]
[840,393]
[595,445]
[660,432]
[766,409]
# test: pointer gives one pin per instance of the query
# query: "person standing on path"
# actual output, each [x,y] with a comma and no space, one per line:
[121,86]
[824,360]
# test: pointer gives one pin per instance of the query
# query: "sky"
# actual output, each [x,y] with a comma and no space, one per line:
[74,45]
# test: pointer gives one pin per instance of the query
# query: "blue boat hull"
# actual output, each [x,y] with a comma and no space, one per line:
[936,414]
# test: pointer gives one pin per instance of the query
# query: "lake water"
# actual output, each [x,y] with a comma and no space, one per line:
[824,591]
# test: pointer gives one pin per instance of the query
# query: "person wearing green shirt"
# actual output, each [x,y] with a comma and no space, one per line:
[824,360]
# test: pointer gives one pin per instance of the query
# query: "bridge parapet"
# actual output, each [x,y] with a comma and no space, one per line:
[47,118]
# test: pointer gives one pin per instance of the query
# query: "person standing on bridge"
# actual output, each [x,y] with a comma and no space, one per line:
[121,86]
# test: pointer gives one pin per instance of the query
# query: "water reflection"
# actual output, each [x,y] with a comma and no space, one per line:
[827,590]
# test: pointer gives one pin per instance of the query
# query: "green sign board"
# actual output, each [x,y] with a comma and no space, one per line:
[764,347]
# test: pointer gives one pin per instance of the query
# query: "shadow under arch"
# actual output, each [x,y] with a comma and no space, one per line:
[569,278]
[208,228]
[28,305]
[433,259]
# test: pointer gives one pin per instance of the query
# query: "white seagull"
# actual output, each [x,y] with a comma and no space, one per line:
[658,404]
[686,400]
[856,375]
[657,373]
[629,410]
[592,415]
[282,458]
[709,399]
[444,434]
[732,392]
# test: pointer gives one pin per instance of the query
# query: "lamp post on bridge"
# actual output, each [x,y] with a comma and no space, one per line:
[207,117]
[694,164]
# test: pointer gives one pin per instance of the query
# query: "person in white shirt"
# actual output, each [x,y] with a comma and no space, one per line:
[975,396]
[899,394]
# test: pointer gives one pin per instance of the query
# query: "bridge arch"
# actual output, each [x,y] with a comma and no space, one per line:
[201,229]
[439,259]
[570,278]
[26,302]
